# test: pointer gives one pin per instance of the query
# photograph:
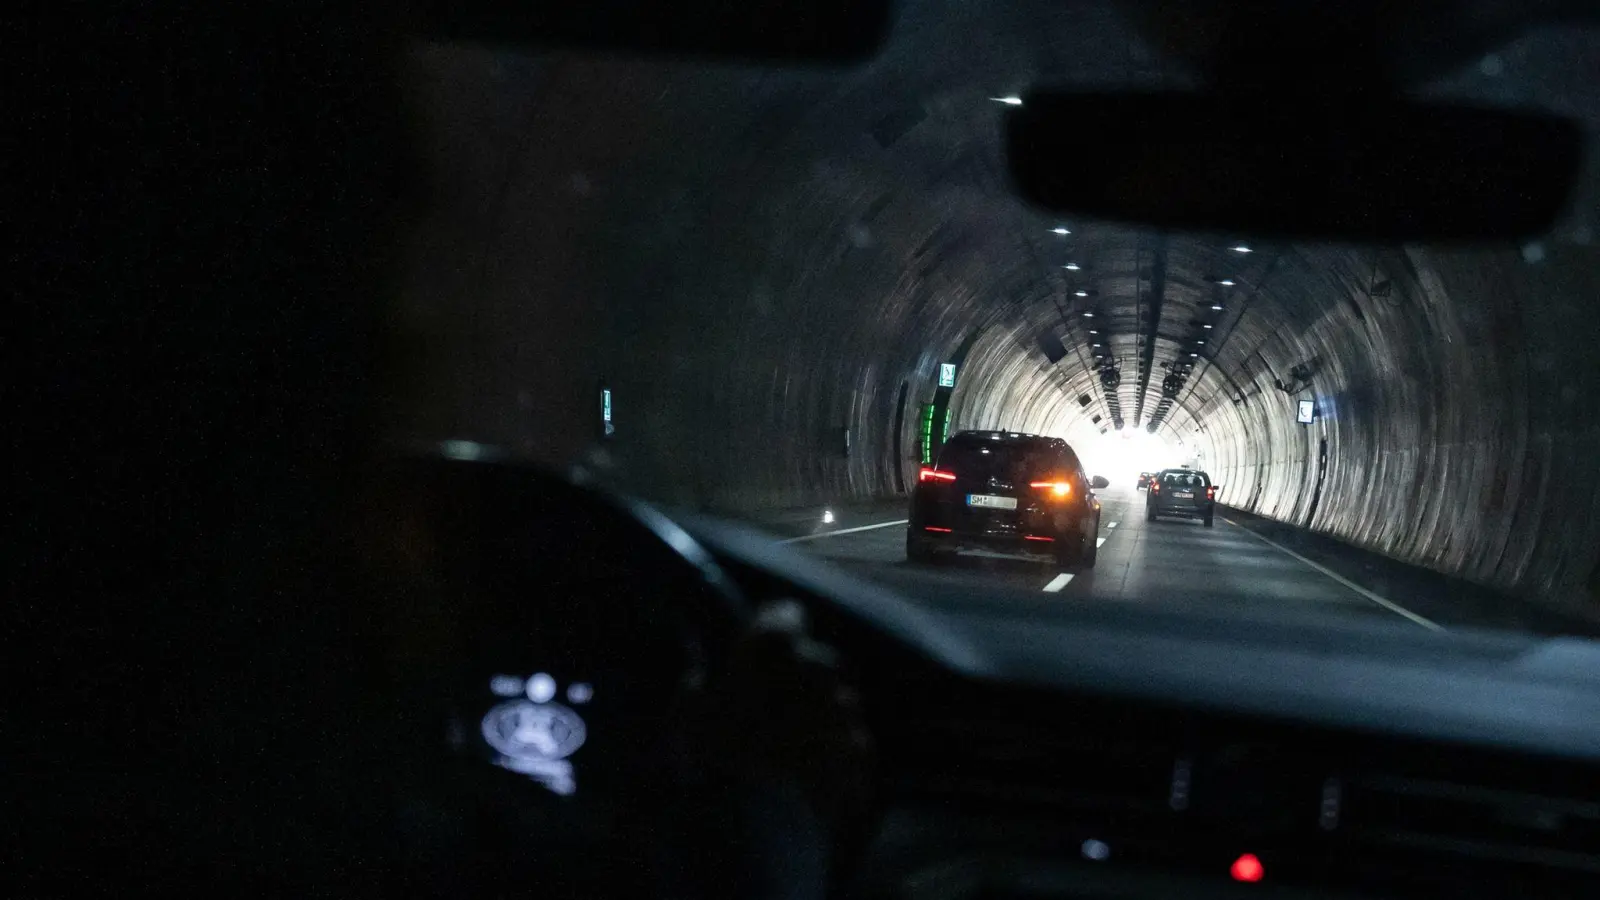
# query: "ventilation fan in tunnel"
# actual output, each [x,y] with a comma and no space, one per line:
[1171,385]
[1110,377]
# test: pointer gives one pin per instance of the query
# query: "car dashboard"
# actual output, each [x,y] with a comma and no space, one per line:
[1110,752]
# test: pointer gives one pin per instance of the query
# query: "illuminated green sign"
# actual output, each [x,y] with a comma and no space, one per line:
[947,375]
[925,433]
[928,436]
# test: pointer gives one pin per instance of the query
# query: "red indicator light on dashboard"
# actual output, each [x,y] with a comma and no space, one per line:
[1247,868]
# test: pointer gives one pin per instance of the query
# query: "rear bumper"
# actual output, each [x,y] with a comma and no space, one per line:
[1034,528]
[1042,544]
[1197,512]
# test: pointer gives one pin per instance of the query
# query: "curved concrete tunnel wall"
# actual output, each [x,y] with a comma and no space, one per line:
[748,296]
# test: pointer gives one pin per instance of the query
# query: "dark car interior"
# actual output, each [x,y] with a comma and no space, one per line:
[265,643]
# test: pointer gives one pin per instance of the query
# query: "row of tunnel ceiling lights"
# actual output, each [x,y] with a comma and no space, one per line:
[1178,373]
[1113,402]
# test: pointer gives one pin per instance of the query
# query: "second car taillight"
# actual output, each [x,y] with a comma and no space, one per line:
[935,475]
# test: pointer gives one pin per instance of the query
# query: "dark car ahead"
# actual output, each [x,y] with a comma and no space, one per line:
[1144,481]
[1181,492]
[999,490]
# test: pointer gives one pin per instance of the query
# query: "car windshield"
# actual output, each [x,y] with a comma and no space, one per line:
[773,293]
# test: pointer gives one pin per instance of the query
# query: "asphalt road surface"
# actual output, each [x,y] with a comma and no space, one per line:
[1241,560]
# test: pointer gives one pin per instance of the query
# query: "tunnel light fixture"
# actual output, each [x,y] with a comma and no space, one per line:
[1072,267]
[1009,100]
[1205,326]
[1226,282]
[1092,331]
[1088,315]
[1080,293]
[1060,230]
[1194,354]
[1241,248]
[1216,306]
[464,450]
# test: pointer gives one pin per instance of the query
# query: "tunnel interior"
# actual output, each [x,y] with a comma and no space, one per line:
[764,270]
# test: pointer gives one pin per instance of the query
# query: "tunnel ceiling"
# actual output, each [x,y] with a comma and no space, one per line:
[756,259]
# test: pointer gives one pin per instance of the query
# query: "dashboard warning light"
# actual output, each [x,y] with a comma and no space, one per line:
[1247,868]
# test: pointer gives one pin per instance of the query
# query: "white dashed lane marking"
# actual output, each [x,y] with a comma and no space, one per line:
[1058,582]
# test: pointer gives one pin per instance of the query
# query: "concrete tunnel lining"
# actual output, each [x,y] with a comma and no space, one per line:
[748,297]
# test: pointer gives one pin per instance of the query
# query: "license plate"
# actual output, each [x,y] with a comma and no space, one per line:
[991,502]
[1184,495]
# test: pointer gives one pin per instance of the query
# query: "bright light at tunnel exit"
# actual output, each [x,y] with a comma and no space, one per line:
[1121,455]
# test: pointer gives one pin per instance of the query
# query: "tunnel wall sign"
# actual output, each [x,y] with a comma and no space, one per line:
[1307,413]
[947,375]
[606,428]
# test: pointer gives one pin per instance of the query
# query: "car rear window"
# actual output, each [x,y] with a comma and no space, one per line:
[1185,479]
[1013,460]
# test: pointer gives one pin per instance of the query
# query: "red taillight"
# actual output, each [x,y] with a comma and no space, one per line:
[935,475]
[1155,487]
[1211,492]
[1247,868]
[932,528]
[1058,488]
[1036,537]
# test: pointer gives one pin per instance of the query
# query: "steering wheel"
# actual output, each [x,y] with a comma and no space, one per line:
[551,627]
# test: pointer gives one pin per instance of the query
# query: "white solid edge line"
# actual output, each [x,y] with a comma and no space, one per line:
[1385,603]
[1099,542]
[813,537]
[1058,582]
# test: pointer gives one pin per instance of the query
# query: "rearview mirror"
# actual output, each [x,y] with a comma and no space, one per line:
[1098,482]
[1298,167]
[755,30]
